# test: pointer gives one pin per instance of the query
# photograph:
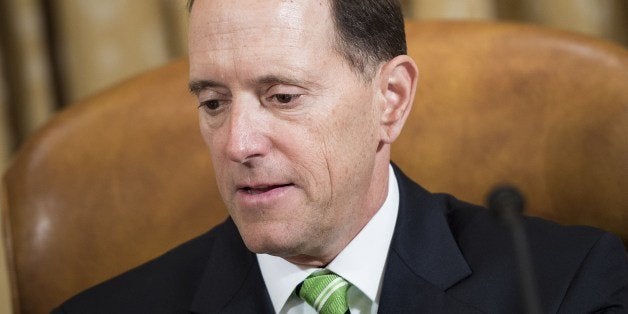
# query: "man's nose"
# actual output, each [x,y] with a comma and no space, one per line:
[246,135]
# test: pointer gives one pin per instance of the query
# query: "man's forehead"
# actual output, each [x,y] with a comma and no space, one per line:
[281,18]
[221,13]
[237,24]
[256,40]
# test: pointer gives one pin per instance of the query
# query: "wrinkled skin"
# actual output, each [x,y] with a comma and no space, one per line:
[298,139]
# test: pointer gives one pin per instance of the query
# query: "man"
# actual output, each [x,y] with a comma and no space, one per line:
[299,102]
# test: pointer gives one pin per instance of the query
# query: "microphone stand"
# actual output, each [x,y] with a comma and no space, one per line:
[507,202]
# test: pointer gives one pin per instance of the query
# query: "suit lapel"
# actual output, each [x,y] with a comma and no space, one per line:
[232,282]
[424,259]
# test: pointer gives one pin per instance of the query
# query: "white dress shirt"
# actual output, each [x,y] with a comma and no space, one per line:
[361,263]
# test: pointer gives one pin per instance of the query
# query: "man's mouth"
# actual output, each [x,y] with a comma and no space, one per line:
[262,188]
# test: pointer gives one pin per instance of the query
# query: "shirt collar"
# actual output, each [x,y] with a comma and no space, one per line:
[361,262]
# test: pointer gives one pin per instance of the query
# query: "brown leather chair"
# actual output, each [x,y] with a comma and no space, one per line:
[542,109]
[121,177]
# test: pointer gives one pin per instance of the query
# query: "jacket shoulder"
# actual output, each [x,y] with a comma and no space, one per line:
[165,284]
[576,267]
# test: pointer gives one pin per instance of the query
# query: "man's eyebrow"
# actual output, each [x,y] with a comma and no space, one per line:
[196,86]
[280,79]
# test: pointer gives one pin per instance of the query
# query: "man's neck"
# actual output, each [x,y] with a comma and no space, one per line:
[369,205]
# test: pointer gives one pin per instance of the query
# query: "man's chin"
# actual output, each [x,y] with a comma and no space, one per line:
[272,244]
[263,234]
[264,240]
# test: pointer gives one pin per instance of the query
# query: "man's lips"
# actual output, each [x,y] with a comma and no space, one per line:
[261,188]
[262,195]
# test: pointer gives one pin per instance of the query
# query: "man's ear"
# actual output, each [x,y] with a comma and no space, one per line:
[398,81]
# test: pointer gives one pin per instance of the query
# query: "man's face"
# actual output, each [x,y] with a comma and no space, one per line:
[293,131]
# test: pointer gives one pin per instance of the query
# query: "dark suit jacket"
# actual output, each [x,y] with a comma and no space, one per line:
[446,256]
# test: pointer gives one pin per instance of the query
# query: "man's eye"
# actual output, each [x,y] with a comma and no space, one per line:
[213,104]
[285,98]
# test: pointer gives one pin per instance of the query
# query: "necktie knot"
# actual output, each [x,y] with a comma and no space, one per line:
[325,291]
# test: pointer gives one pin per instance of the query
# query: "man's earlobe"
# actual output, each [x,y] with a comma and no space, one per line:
[399,78]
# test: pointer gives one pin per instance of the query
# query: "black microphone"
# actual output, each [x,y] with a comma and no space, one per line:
[507,203]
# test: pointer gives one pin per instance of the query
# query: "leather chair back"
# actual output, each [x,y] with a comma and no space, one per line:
[542,109]
[108,184]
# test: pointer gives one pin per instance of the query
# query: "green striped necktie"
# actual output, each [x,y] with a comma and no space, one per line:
[325,291]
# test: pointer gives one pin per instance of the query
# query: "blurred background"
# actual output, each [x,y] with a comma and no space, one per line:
[53,53]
